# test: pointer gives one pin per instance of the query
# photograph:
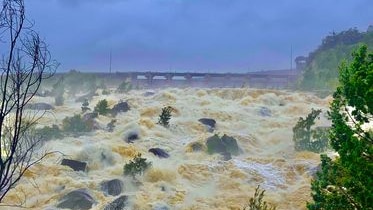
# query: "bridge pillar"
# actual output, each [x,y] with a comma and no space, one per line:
[149,79]
[188,78]
[207,79]
[169,78]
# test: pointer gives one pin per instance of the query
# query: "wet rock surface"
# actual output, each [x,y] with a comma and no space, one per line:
[74,164]
[39,106]
[113,187]
[159,152]
[77,200]
[118,204]
[209,123]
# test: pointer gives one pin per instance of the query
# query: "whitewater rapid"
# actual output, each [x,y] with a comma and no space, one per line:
[187,179]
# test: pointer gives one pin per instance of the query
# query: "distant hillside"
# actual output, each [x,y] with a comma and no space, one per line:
[321,70]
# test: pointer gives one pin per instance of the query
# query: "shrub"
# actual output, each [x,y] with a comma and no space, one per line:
[306,138]
[102,107]
[136,166]
[105,92]
[85,105]
[257,203]
[47,133]
[124,87]
[75,124]
[165,116]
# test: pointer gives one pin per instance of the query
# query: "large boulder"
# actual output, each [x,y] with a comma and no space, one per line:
[209,123]
[223,145]
[77,200]
[74,164]
[40,106]
[113,187]
[159,152]
[118,204]
[120,107]
[230,144]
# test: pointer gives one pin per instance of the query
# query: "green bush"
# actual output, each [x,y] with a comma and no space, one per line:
[47,133]
[85,105]
[105,92]
[137,166]
[257,203]
[307,138]
[75,124]
[124,87]
[102,107]
[165,116]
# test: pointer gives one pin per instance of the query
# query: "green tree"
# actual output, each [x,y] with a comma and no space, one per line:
[257,202]
[346,182]
[307,138]
[102,107]
[165,116]
[136,166]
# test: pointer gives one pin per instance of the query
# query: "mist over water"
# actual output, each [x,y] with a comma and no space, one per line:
[187,179]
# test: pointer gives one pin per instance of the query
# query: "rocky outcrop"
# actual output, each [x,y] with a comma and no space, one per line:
[118,204]
[209,123]
[159,152]
[223,145]
[120,107]
[39,106]
[77,200]
[74,164]
[113,187]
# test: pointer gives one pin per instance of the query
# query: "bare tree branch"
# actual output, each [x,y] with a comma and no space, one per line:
[24,63]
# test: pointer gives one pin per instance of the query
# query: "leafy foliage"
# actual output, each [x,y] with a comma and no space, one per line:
[137,166]
[85,105]
[124,87]
[102,107]
[306,138]
[257,203]
[165,116]
[75,124]
[346,182]
[321,71]
[47,133]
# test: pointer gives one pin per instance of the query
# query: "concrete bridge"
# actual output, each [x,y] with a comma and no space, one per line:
[263,79]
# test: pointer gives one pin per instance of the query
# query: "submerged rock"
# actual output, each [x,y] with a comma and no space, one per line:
[77,200]
[118,204]
[209,123]
[120,107]
[196,146]
[265,112]
[160,206]
[90,116]
[131,137]
[148,93]
[39,106]
[74,164]
[159,152]
[113,187]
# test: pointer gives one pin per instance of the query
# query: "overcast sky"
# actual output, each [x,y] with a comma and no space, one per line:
[190,35]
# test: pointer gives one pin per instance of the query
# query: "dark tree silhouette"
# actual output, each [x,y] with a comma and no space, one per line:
[25,61]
